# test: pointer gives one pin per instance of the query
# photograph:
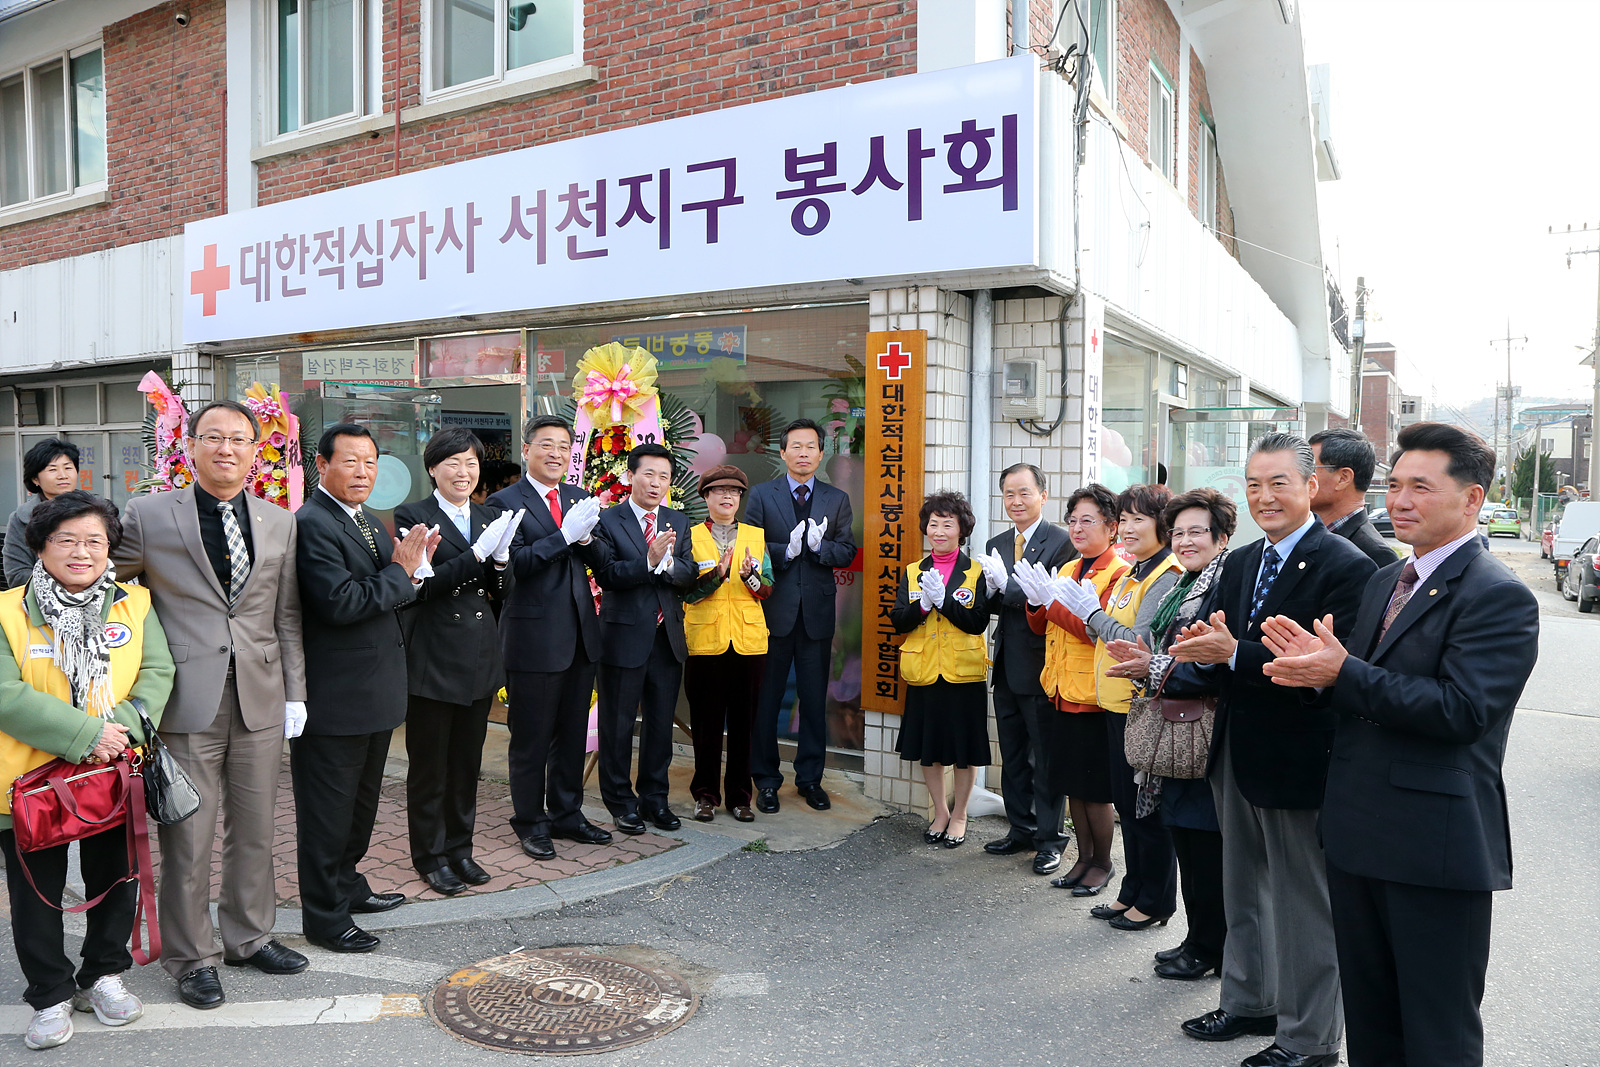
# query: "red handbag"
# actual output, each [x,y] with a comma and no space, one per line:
[62,802]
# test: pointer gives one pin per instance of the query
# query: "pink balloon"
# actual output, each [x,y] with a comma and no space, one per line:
[1114,448]
[710,452]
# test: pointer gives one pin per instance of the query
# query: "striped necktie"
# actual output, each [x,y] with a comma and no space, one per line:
[238,555]
[366,532]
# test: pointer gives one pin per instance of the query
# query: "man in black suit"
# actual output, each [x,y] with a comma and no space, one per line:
[1035,814]
[1415,820]
[1345,462]
[1269,759]
[807,524]
[550,640]
[353,579]
[649,563]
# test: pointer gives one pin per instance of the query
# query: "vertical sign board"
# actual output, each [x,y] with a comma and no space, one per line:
[896,386]
[1091,343]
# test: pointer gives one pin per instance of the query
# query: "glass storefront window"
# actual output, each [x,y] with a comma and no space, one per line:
[124,402]
[125,465]
[1128,449]
[80,405]
[464,357]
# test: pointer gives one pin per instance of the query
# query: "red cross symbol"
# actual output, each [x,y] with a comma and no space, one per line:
[210,279]
[892,361]
[1094,341]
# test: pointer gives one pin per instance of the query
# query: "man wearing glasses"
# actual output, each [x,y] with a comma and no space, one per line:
[220,567]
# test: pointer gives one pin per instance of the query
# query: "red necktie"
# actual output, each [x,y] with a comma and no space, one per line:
[650,535]
[554,496]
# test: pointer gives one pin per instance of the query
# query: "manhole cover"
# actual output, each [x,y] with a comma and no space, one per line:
[559,1000]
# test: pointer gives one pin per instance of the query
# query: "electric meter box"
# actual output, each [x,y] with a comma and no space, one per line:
[1022,389]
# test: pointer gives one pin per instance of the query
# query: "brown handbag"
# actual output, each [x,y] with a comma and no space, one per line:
[1170,736]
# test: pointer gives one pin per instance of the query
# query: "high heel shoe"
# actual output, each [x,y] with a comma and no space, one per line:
[1081,890]
[1070,880]
[1122,922]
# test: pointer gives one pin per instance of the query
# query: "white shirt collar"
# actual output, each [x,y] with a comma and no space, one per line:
[539,487]
[451,509]
[348,510]
[638,512]
[793,485]
[1429,562]
[1027,535]
[1286,546]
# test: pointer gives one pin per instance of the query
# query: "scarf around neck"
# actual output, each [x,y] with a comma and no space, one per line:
[80,647]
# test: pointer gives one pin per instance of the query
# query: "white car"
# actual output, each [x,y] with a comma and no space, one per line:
[1485,513]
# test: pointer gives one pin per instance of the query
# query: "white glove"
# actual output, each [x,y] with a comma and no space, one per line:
[502,549]
[994,571]
[796,540]
[932,583]
[489,540]
[425,568]
[1080,598]
[1034,582]
[579,521]
[294,718]
[814,532]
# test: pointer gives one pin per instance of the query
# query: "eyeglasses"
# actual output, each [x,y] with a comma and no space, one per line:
[1084,524]
[216,440]
[549,446]
[1193,533]
[68,543]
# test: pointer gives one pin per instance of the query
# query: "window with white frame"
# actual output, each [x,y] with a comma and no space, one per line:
[473,42]
[53,127]
[317,46]
[1101,16]
[1161,124]
[1209,171]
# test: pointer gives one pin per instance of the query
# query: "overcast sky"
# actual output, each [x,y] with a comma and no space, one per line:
[1463,130]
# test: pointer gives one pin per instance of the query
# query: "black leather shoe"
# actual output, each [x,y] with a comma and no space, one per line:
[539,846]
[469,872]
[1171,953]
[273,958]
[664,819]
[1104,911]
[1046,861]
[628,823]
[816,796]
[1276,1055]
[1122,922]
[1006,846]
[1186,967]
[767,800]
[379,902]
[585,833]
[1220,1025]
[201,988]
[444,880]
[354,939]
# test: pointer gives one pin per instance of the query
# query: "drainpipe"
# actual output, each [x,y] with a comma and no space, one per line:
[980,430]
[1019,26]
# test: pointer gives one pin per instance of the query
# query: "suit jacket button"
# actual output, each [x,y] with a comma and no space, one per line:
[455,616]
[480,615]
[223,649]
[456,591]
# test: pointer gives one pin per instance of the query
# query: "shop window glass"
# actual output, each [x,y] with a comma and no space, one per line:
[125,465]
[8,412]
[465,357]
[80,405]
[10,483]
[124,402]
[1127,451]
[91,463]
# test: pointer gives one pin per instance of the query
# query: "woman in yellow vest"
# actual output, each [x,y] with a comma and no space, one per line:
[727,635]
[81,654]
[1149,891]
[943,610]
[1074,741]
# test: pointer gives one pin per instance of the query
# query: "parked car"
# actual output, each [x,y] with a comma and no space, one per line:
[1547,540]
[1580,520]
[1486,512]
[1580,581]
[1379,517]
[1504,521]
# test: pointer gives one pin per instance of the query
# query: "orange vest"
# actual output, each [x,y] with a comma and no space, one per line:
[1069,668]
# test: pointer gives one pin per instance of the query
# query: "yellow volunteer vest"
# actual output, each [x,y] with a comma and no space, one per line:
[1115,693]
[940,649]
[729,616]
[1068,662]
[32,649]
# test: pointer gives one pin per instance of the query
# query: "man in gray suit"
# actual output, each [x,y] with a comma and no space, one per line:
[220,567]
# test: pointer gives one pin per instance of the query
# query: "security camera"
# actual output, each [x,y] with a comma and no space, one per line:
[181,18]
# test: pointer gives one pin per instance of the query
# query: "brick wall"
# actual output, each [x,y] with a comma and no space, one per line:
[165,94]
[1146,31]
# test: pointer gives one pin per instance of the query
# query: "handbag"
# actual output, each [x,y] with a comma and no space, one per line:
[61,802]
[170,795]
[1170,736]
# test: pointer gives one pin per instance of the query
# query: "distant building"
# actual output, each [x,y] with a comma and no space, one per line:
[1381,400]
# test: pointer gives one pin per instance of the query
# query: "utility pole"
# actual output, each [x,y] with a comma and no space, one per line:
[1358,333]
[1538,455]
[1594,403]
[1508,341]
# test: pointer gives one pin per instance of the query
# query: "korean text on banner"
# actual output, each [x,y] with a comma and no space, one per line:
[897,177]
[896,388]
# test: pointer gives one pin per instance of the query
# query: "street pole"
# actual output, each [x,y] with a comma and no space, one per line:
[1508,340]
[1358,357]
[1594,402]
[1538,454]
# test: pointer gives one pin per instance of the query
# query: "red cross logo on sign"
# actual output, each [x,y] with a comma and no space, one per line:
[893,360]
[209,280]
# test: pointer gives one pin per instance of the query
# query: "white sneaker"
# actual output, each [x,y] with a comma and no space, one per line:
[50,1027]
[110,1001]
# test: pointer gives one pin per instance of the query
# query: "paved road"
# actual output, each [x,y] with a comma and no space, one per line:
[883,951]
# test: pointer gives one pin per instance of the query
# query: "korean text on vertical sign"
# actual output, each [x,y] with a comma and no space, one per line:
[896,385]
[1092,328]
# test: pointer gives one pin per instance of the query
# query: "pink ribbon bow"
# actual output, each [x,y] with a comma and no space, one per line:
[600,391]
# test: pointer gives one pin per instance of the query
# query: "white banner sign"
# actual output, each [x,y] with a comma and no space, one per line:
[904,176]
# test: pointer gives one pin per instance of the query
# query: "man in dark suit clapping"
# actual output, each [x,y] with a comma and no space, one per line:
[353,579]
[1345,462]
[1415,820]
[649,561]
[807,525]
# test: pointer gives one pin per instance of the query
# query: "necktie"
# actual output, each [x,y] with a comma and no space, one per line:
[1269,572]
[366,531]
[462,524]
[1017,546]
[238,555]
[554,497]
[1402,593]
[649,535]
[802,495]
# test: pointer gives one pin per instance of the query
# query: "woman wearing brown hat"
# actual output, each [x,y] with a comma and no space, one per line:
[727,634]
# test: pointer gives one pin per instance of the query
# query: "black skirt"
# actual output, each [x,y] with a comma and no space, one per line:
[1077,749]
[945,723]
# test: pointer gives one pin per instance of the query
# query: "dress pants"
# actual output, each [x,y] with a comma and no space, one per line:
[336,780]
[548,713]
[1150,869]
[1036,815]
[1412,960]
[444,744]
[37,929]
[723,691]
[809,657]
[649,691]
[1199,855]
[235,769]
[1280,957]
